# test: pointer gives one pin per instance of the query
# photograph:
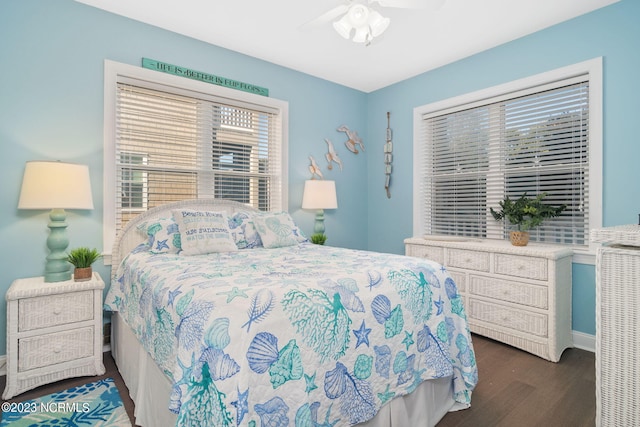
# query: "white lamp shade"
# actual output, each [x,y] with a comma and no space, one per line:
[55,185]
[319,194]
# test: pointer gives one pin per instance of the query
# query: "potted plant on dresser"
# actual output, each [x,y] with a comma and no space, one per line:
[82,258]
[525,213]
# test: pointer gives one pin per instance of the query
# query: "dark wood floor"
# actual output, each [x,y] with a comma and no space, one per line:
[515,389]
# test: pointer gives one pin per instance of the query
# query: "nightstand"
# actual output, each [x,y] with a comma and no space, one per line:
[54,331]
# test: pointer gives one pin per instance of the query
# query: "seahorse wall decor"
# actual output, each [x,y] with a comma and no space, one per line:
[353,141]
[388,157]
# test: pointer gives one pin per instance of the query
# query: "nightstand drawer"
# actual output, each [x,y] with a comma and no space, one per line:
[53,310]
[471,260]
[51,349]
[522,266]
[519,320]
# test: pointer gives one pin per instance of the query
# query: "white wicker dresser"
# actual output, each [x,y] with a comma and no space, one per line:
[618,326]
[54,331]
[517,295]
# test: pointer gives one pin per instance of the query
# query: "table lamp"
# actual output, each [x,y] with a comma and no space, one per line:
[319,194]
[56,186]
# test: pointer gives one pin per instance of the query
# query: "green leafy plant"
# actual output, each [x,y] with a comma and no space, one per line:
[318,238]
[83,257]
[526,213]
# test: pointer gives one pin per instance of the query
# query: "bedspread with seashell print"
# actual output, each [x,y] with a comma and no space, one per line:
[304,335]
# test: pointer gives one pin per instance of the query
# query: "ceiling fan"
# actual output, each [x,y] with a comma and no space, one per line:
[363,22]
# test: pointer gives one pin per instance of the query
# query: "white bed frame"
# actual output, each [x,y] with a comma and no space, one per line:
[150,389]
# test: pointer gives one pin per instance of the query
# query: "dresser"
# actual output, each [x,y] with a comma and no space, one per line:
[519,295]
[618,326]
[54,331]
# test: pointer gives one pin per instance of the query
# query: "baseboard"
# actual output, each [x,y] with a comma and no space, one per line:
[584,341]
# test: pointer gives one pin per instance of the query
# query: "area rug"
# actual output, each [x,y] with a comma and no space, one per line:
[96,404]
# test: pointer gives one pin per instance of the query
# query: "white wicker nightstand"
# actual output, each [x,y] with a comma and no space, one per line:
[54,331]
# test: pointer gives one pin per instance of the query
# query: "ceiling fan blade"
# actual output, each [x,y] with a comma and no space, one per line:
[412,4]
[326,17]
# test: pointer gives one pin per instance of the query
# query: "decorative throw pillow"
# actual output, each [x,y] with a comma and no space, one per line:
[203,232]
[244,231]
[277,230]
[163,235]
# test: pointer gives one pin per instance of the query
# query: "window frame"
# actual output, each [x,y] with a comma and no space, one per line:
[116,72]
[592,70]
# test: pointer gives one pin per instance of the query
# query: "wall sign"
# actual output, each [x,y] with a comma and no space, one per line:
[152,64]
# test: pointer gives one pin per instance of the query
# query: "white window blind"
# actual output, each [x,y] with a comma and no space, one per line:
[533,141]
[174,145]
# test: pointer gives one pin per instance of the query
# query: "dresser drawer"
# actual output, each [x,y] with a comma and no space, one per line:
[428,252]
[53,310]
[519,320]
[472,260]
[522,266]
[50,349]
[511,291]
[460,279]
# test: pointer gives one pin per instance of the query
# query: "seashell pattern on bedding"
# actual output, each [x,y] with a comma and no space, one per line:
[303,335]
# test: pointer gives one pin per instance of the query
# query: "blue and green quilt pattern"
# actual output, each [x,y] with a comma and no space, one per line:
[300,336]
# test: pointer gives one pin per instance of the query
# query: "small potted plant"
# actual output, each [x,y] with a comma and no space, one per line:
[82,258]
[318,238]
[525,213]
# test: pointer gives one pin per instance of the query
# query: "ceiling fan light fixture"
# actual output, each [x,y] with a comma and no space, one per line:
[343,27]
[366,22]
[358,15]
[363,35]
[378,23]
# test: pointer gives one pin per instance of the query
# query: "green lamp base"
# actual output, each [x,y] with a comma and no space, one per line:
[57,269]
[318,227]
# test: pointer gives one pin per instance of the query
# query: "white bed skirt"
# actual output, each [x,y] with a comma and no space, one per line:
[149,388]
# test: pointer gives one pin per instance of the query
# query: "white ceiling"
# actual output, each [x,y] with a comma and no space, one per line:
[415,42]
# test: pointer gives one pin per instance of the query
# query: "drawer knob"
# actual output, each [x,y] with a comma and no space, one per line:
[57,349]
[467,260]
[57,310]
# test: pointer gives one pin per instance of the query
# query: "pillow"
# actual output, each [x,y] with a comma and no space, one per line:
[163,234]
[203,232]
[277,230]
[244,231]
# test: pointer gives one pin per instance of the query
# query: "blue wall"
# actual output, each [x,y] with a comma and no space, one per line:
[612,32]
[51,107]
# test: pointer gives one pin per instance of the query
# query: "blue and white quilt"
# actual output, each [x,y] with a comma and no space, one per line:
[304,335]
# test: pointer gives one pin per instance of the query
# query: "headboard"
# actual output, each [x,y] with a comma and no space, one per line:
[129,237]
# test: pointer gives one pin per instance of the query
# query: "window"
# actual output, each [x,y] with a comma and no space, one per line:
[133,185]
[169,138]
[538,135]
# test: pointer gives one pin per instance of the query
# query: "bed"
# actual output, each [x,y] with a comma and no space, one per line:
[280,332]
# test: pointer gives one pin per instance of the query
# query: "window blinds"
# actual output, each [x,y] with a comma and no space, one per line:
[176,145]
[532,142]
